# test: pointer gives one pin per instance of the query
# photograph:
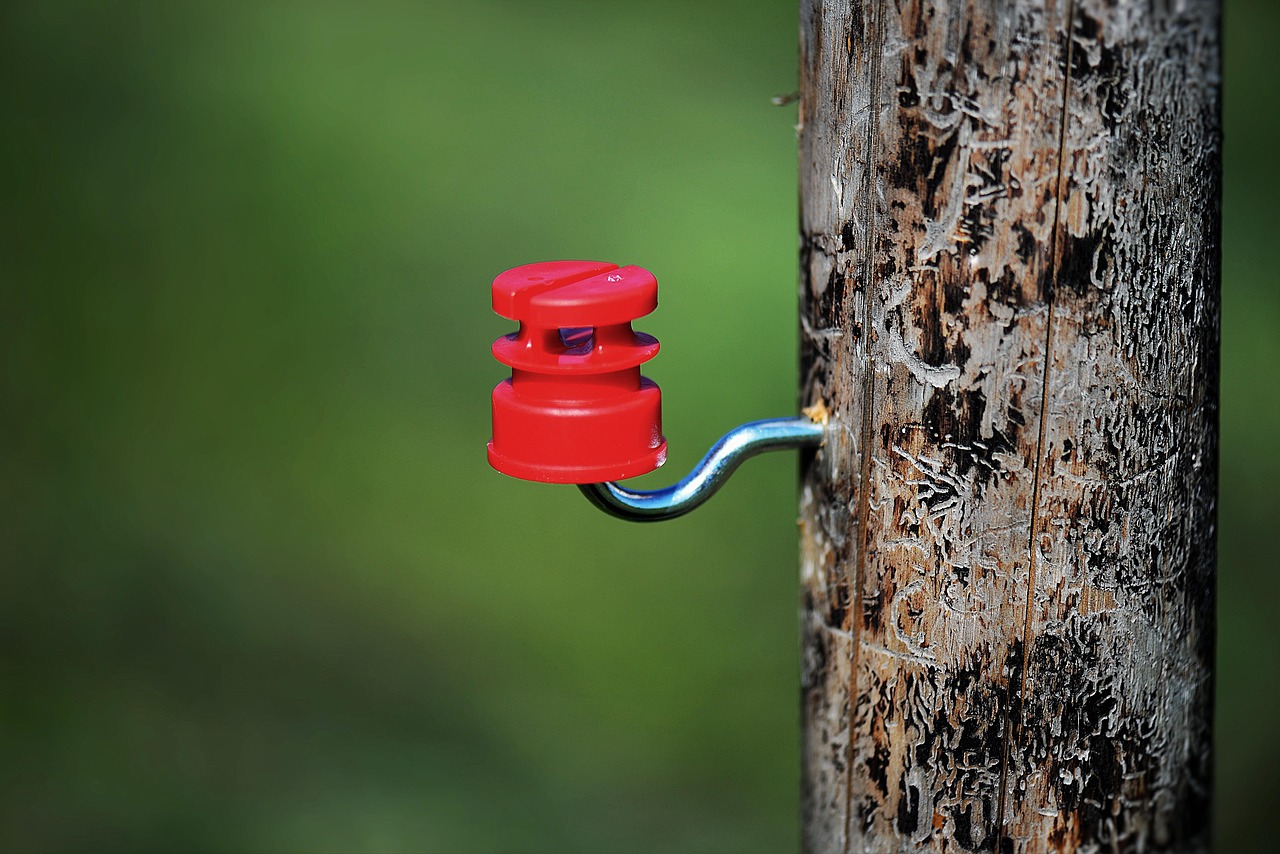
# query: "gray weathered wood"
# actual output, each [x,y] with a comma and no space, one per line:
[1009,306]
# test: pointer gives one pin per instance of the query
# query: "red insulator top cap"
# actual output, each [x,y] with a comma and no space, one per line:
[576,409]
[575,293]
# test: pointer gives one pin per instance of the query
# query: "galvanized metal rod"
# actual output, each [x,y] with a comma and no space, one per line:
[739,444]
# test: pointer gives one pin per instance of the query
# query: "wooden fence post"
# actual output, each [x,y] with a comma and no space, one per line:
[1009,306]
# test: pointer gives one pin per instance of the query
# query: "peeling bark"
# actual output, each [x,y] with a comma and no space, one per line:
[1009,304]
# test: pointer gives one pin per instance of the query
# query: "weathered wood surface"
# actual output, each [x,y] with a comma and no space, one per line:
[1009,304]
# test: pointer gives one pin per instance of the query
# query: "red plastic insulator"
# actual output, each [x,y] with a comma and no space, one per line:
[576,409]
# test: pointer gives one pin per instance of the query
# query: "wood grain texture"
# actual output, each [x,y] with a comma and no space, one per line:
[1009,304]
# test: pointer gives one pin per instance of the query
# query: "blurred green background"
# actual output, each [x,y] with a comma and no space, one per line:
[261,590]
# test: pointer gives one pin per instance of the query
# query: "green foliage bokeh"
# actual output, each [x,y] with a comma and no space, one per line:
[261,590]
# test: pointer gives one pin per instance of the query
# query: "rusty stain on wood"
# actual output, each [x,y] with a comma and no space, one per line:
[1009,306]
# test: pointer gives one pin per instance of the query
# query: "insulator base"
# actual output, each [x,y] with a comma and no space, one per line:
[577,441]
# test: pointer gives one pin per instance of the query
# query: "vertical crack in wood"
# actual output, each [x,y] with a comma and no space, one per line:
[1015,702]
[854,601]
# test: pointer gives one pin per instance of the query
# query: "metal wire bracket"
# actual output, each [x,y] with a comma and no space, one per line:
[739,444]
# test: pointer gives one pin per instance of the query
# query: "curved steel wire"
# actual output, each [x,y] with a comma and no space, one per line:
[739,444]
